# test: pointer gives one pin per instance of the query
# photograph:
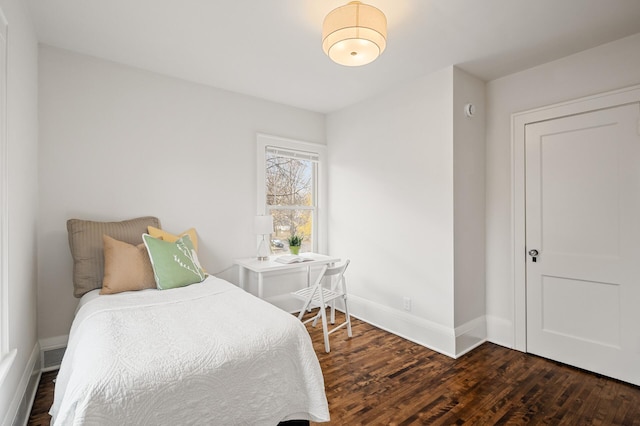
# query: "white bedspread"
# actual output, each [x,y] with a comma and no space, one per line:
[207,354]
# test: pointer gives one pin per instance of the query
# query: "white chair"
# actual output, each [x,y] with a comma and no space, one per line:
[321,296]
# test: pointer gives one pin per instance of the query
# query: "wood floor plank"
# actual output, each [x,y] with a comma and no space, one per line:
[396,382]
[43,400]
[377,378]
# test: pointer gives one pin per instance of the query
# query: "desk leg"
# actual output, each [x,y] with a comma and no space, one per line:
[242,276]
[260,284]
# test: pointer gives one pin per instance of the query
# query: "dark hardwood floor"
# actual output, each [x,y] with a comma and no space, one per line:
[377,378]
[44,398]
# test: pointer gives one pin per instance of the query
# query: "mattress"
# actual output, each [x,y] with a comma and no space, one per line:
[208,353]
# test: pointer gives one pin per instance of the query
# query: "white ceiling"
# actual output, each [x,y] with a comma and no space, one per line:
[272,49]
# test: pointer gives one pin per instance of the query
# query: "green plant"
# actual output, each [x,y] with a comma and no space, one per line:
[295,240]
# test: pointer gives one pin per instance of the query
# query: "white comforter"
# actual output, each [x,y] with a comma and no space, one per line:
[206,354]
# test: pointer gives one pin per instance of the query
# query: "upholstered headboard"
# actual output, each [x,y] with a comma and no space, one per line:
[86,244]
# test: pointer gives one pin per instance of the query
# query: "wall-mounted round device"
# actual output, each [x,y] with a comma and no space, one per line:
[469,110]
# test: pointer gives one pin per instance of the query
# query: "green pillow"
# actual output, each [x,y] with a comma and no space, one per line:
[174,264]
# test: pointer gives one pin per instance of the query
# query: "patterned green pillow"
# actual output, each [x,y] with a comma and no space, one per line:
[174,264]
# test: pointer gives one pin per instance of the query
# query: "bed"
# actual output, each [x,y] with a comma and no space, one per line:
[206,353]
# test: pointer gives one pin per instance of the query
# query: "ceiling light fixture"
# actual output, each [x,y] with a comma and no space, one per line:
[354,34]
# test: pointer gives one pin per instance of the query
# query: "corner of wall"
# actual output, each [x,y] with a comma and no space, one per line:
[469,145]
[500,331]
[470,335]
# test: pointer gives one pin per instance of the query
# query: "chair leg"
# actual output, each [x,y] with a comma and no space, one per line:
[334,285]
[325,329]
[307,305]
[315,319]
[302,311]
[301,314]
[346,312]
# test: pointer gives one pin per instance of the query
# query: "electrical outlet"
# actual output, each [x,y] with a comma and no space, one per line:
[406,303]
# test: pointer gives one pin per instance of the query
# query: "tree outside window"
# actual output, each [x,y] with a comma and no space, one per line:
[290,179]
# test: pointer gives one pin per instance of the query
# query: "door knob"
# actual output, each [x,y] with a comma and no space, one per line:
[534,255]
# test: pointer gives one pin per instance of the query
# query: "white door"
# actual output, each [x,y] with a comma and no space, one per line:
[583,218]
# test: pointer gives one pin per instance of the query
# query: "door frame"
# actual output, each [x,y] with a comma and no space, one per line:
[518,219]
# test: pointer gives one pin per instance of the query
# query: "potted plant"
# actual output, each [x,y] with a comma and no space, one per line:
[295,241]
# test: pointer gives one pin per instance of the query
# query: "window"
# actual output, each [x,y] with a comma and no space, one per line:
[290,188]
[290,179]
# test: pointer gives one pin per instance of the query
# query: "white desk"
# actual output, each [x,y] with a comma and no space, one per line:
[264,266]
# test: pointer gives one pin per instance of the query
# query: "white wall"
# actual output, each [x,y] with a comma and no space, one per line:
[405,178]
[23,205]
[469,210]
[391,203]
[607,67]
[117,143]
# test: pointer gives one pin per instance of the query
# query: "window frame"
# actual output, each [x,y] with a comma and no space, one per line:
[6,356]
[320,216]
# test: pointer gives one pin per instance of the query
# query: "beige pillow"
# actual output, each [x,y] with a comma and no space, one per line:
[172,238]
[126,267]
[85,242]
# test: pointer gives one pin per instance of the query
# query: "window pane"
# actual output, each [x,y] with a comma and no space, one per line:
[289,222]
[289,181]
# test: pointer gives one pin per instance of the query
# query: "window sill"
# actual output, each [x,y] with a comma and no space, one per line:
[6,363]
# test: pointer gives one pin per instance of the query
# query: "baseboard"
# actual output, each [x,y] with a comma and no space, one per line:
[51,352]
[55,342]
[500,331]
[418,330]
[22,402]
[470,335]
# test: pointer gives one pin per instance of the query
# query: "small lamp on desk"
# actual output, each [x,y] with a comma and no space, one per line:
[263,225]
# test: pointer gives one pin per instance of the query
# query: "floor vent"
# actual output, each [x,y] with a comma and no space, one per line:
[52,357]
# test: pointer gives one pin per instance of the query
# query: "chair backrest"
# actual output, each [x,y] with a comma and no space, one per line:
[338,269]
[331,272]
[335,274]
